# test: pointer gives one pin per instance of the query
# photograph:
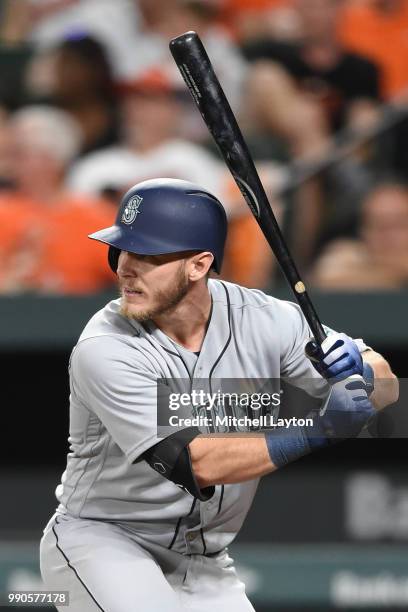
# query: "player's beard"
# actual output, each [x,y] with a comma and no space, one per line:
[164,300]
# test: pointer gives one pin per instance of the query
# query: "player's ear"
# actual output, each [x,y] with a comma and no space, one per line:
[199,264]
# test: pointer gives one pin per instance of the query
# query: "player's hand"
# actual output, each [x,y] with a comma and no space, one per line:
[336,359]
[347,410]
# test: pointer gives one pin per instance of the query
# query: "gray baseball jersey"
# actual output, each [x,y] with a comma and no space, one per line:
[113,379]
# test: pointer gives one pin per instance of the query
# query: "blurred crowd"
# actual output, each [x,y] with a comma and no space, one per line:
[91,102]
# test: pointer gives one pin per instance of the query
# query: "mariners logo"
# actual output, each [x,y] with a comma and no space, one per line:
[131,210]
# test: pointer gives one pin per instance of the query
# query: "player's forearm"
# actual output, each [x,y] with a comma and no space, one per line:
[386,385]
[230,459]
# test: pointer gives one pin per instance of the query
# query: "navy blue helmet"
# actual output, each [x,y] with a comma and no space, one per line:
[166,216]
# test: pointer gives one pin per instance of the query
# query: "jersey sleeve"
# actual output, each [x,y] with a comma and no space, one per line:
[296,368]
[117,384]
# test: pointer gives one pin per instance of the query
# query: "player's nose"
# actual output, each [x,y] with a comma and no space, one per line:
[127,264]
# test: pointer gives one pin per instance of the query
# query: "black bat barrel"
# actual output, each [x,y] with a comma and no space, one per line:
[195,66]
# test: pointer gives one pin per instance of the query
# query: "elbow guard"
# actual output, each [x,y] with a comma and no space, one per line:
[171,458]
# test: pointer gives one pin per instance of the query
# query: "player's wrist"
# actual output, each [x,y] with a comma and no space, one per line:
[295,442]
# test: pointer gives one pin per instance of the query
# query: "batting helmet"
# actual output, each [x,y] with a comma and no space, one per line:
[166,216]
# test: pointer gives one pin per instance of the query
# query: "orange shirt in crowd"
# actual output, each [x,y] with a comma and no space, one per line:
[381,37]
[46,249]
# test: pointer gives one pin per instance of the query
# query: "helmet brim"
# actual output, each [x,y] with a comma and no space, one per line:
[120,238]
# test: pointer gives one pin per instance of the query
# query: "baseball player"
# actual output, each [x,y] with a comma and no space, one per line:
[143,521]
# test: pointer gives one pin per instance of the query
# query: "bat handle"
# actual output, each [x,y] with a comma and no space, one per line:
[319,333]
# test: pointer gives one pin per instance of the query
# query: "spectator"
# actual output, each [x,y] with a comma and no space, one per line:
[74,74]
[81,83]
[161,20]
[134,33]
[377,29]
[250,19]
[378,258]
[43,228]
[113,24]
[320,65]
[278,110]
[303,92]
[152,117]
[31,29]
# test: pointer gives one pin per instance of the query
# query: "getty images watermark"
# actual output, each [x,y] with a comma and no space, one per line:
[246,405]
[213,410]
[225,405]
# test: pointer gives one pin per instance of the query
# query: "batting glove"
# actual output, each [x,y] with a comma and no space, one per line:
[348,410]
[336,359]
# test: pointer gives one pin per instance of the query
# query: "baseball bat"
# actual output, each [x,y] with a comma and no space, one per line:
[195,66]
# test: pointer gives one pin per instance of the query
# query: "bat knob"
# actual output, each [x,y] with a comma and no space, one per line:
[313,350]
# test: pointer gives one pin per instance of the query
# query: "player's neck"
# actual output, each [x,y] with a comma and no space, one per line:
[187,323]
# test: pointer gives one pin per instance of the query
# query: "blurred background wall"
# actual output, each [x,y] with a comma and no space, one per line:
[90,103]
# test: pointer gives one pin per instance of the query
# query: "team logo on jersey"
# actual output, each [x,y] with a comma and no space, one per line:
[131,210]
